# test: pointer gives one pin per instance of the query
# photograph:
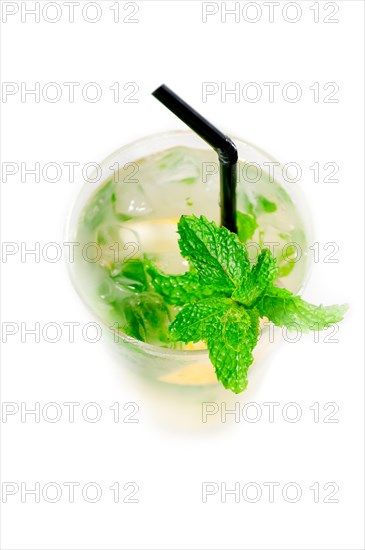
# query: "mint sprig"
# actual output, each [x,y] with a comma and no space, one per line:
[223,298]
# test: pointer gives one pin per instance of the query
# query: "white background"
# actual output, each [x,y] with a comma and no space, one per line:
[170,452]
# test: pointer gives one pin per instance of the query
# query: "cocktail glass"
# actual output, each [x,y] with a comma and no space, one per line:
[129,209]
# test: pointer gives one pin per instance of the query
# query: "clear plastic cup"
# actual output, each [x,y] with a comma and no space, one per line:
[187,367]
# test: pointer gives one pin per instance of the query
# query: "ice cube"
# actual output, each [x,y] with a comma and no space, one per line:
[178,165]
[131,201]
[118,243]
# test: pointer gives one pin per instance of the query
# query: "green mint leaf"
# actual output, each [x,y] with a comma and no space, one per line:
[143,316]
[264,205]
[216,254]
[284,309]
[130,274]
[198,320]
[179,289]
[230,346]
[246,226]
[286,268]
[262,274]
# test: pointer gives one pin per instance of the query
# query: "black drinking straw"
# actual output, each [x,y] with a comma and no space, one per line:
[223,145]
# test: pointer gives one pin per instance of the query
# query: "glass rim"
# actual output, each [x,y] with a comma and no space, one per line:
[184,132]
[151,349]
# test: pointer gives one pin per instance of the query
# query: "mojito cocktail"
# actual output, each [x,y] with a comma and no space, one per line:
[129,217]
